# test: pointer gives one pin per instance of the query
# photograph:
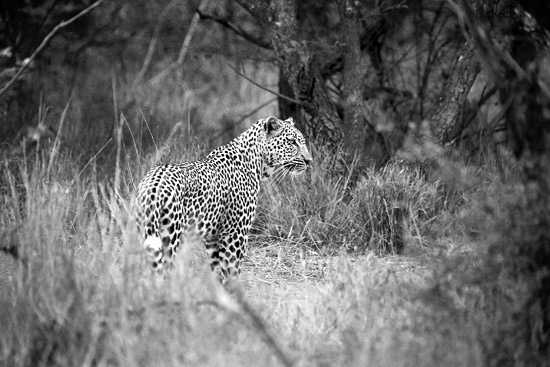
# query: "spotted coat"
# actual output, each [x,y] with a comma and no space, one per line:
[216,197]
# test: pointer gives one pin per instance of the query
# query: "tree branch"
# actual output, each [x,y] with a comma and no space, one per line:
[184,46]
[264,88]
[44,42]
[259,16]
[490,53]
[152,44]
[247,115]
[238,31]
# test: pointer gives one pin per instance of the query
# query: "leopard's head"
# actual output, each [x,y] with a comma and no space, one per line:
[285,149]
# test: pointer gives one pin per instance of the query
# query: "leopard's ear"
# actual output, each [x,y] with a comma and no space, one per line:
[290,120]
[273,126]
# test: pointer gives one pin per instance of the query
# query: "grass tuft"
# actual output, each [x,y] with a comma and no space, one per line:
[325,213]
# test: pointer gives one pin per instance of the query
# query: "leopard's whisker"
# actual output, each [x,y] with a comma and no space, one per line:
[288,170]
[290,163]
[284,171]
[277,172]
[281,173]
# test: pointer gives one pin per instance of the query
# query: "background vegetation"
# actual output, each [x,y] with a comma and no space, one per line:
[420,236]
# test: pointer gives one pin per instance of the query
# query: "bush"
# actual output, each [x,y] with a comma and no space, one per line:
[496,281]
[324,212]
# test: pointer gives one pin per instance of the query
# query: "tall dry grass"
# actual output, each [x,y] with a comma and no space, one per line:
[326,213]
[80,292]
[82,295]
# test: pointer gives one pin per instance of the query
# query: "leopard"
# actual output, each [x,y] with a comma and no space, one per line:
[216,197]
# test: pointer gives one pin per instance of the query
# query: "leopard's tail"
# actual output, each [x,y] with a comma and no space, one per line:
[157,237]
[156,248]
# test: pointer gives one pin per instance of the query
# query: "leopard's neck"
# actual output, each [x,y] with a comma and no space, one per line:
[245,151]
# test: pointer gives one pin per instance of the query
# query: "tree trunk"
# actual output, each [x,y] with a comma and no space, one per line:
[354,124]
[300,66]
[447,120]
[286,108]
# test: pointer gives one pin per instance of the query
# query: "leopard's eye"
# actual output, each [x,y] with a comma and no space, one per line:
[296,144]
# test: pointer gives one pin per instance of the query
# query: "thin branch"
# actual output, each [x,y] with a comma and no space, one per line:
[238,31]
[490,52]
[28,61]
[290,99]
[260,326]
[247,115]
[152,44]
[247,8]
[234,304]
[91,40]
[428,66]
[187,40]
[184,46]
[94,156]
[47,16]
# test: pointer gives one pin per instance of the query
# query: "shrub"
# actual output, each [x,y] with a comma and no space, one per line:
[328,214]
